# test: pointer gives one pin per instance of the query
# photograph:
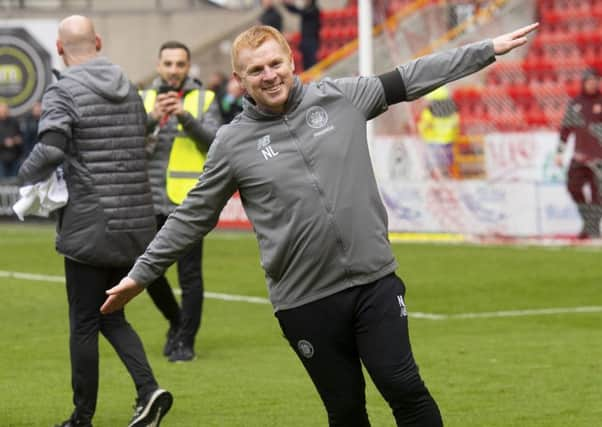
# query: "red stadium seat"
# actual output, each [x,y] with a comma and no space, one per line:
[293,39]
[328,18]
[349,16]
[519,92]
[466,95]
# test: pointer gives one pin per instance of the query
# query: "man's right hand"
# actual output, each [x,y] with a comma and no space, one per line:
[163,105]
[120,295]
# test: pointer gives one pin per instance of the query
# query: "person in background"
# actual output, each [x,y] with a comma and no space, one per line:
[29,128]
[270,15]
[310,29]
[183,118]
[298,155]
[439,128]
[11,142]
[108,219]
[583,119]
[217,83]
[231,103]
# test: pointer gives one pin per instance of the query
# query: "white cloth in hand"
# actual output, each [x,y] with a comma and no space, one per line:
[42,197]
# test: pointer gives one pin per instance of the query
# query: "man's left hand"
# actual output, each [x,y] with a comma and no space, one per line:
[506,42]
[120,295]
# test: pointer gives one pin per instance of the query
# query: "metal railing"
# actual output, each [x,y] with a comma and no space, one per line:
[9,194]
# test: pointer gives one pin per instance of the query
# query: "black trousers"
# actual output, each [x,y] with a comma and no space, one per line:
[364,324]
[580,175]
[186,319]
[86,286]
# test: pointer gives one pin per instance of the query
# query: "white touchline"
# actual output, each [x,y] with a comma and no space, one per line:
[29,276]
[61,279]
[416,315]
[509,313]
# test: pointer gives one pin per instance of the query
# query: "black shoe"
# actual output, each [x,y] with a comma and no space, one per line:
[170,344]
[150,411]
[74,423]
[182,353]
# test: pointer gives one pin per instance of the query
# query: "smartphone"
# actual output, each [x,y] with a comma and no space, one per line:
[165,89]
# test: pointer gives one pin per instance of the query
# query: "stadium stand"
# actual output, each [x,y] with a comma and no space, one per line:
[533,91]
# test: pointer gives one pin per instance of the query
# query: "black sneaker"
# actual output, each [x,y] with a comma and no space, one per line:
[149,412]
[170,344]
[182,353]
[74,423]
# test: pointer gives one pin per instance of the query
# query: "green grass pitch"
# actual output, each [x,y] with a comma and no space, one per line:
[506,363]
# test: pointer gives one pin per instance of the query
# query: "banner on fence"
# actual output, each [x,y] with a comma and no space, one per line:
[522,194]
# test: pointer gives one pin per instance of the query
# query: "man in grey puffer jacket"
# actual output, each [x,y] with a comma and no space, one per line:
[93,125]
[299,157]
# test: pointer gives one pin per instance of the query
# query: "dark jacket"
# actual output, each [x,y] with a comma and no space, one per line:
[100,120]
[271,16]
[583,118]
[310,21]
[9,128]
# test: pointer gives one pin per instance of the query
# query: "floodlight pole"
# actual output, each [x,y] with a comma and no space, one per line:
[365,59]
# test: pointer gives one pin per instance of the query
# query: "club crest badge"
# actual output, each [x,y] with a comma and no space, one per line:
[316,117]
[305,348]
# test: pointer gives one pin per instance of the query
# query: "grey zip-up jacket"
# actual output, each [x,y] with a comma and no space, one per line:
[97,122]
[306,182]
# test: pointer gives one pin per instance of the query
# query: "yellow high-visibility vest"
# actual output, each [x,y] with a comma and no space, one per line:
[438,130]
[186,161]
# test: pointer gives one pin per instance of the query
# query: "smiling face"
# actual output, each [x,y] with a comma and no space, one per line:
[266,72]
[173,66]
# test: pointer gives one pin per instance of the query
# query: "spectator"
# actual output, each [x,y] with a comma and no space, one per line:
[183,117]
[461,11]
[232,101]
[583,119]
[298,155]
[310,29]
[271,15]
[439,128]
[29,128]
[108,219]
[10,142]
[217,83]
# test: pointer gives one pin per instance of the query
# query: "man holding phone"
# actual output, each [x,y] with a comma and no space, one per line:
[182,121]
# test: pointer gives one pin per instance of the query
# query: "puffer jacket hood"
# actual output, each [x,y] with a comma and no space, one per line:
[102,77]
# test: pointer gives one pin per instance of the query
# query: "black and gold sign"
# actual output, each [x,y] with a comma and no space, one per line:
[25,69]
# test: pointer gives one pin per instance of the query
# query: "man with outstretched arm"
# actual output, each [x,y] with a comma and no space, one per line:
[298,156]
